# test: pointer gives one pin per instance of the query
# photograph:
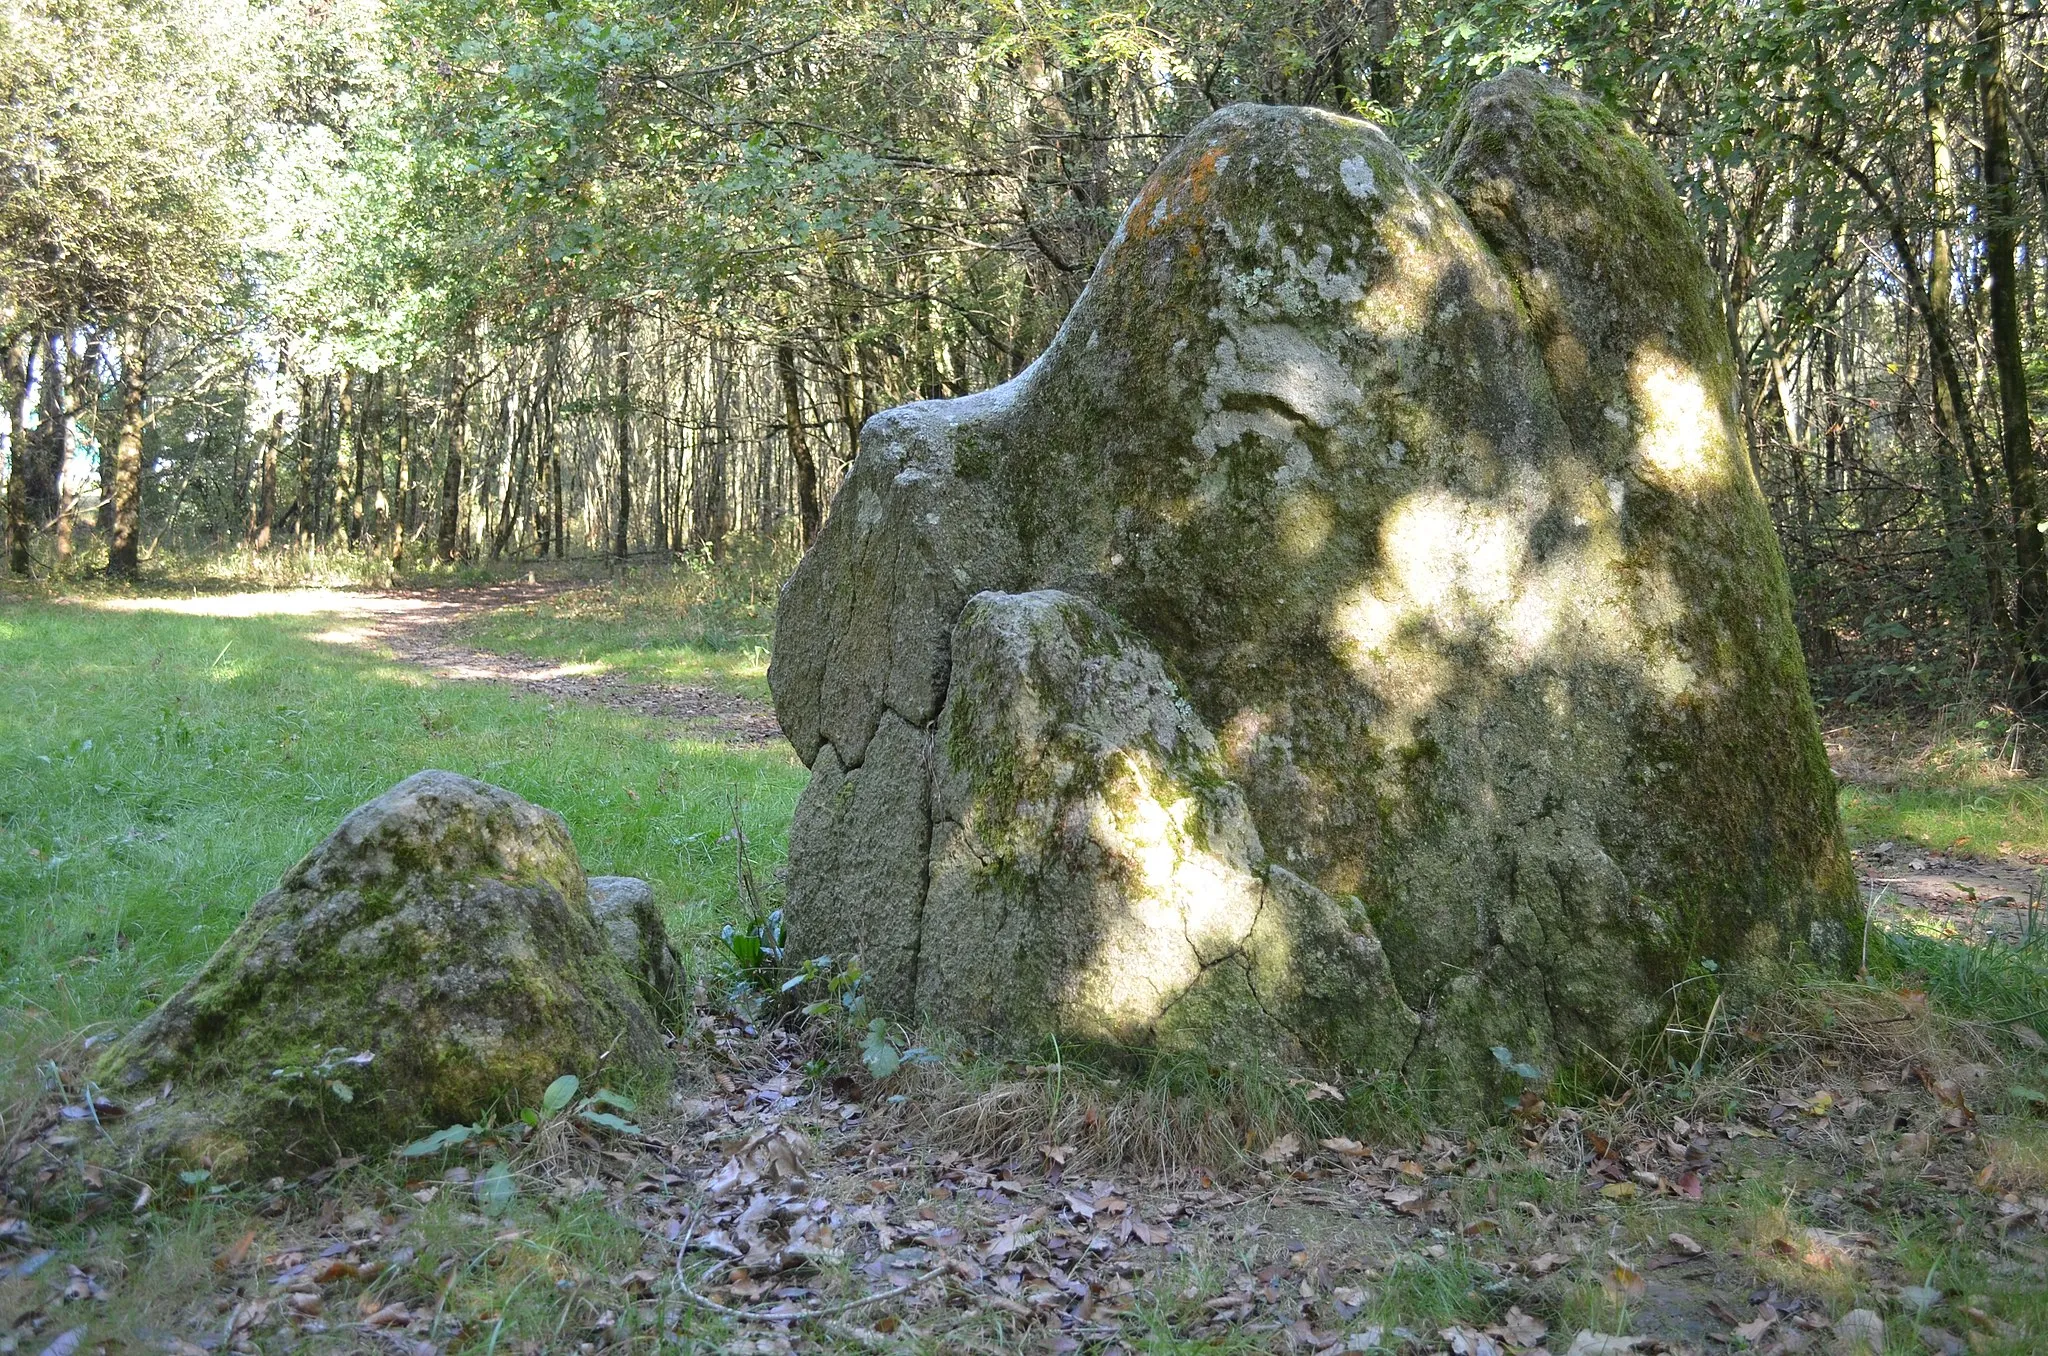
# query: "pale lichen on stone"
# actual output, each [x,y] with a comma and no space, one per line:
[1427,500]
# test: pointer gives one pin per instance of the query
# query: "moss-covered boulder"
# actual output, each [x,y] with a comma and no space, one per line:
[1095,870]
[435,959]
[1426,498]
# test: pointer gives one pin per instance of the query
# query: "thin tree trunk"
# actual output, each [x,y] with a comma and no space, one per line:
[402,509]
[60,376]
[622,430]
[20,360]
[448,537]
[810,513]
[1940,296]
[124,550]
[346,441]
[710,517]
[2016,442]
[263,512]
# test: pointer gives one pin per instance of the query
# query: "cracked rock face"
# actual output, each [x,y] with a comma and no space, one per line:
[1358,637]
[435,959]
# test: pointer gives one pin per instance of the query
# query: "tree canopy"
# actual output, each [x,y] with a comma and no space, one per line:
[456,279]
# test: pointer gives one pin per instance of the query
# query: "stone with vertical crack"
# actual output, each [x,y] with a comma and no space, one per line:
[1424,497]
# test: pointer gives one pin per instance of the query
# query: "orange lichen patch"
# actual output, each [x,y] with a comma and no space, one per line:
[1165,204]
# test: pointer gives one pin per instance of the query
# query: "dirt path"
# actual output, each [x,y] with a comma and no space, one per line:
[419,627]
[1973,898]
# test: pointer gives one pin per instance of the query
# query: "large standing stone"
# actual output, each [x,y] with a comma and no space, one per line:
[1423,509]
[434,959]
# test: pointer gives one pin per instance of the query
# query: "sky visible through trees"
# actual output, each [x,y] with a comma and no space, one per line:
[447,280]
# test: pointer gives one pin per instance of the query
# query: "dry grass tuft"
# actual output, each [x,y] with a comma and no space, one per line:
[2018,1161]
[1168,1122]
[1870,1027]
[1086,1125]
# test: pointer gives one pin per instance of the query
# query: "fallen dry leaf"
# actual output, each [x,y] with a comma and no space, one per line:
[1522,1330]
[775,1154]
[1684,1243]
[1280,1150]
[1624,1282]
[1590,1343]
[1753,1331]
[1409,1200]
[234,1255]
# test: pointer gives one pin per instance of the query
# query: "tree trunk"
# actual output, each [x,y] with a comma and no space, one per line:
[263,511]
[124,549]
[622,430]
[346,441]
[448,536]
[402,489]
[60,376]
[809,511]
[20,359]
[1940,296]
[711,516]
[369,502]
[2016,442]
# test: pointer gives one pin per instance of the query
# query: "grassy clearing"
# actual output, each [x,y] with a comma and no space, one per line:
[159,772]
[693,622]
[1960,782]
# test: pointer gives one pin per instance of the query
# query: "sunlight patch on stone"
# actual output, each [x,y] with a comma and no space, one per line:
[1683,441]
[1461,571]
[1181,906]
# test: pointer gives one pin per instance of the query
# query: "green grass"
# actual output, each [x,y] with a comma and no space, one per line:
[2011,816]
[692,622]
[1947,782]
[159,772]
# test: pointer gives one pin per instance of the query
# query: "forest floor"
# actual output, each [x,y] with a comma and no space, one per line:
[1841,1154]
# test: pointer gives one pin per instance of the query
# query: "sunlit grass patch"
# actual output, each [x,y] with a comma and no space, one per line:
[159,772]
[1957,782]
[692,622]
[1981,820]
[1991,982]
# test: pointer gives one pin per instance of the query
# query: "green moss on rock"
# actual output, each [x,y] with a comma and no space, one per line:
[1427,498]
[434,959]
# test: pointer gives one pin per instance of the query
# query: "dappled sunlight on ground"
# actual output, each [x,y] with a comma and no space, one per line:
[281,603]
[421,630]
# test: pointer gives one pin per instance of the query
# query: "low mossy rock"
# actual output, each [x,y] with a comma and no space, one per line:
[435,960]
[631,922]
[1428,500]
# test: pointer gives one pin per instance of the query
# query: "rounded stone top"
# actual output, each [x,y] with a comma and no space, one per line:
[438,823]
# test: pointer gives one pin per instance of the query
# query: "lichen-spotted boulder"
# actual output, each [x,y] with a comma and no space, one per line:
[435,959]
[1426,498]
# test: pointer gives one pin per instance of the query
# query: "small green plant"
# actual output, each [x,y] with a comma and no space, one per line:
[557,1103]
[755,946]
[841,1013]
[323,1073]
